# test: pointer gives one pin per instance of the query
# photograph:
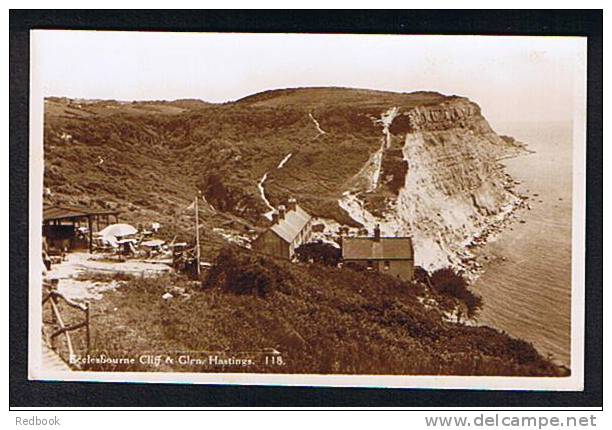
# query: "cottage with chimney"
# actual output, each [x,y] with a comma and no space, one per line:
[291,227]
[390,255]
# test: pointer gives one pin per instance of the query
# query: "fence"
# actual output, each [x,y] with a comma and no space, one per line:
[53,298]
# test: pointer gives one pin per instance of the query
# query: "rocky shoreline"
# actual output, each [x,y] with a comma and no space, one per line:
[473,259]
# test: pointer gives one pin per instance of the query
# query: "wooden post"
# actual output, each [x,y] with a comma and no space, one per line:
[89,227]
[54,319]
[197,226]
[87,321]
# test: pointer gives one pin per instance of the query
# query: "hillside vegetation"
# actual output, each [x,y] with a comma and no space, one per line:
[320,319]
[157,154]
[149,160]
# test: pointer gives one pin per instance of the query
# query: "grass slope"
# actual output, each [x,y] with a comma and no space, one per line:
[321,319]
[149,159]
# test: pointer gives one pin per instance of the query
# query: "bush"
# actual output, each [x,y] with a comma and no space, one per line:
[241,273]
[421,275]
[318,252]
[447,282]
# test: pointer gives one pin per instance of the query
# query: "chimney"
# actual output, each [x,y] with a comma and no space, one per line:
[377,232]
[274,217]
[342,233]
[281,212]
[292,203]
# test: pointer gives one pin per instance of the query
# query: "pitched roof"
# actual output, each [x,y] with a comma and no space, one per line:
[290,226]
[65,212]
[386,248]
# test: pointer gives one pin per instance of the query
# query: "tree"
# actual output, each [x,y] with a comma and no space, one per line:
[319,252]
[215,192]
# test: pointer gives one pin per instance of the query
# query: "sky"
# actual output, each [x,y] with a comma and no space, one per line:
[511,78]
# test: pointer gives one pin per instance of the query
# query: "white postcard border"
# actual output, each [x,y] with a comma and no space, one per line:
[575,382]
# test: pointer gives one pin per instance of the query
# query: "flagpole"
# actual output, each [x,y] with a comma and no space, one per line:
[197,226]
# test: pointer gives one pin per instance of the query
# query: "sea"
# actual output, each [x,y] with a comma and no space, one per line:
[526,286]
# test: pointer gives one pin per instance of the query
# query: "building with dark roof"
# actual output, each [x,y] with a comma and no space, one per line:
[390,255]
[291,227]
[60,224]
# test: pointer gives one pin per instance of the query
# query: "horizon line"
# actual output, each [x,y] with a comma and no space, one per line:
[268,90]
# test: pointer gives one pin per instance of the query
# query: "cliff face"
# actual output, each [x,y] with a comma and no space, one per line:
[453,186]
[420,164]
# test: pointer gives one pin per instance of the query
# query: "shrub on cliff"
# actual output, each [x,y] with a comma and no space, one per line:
[243,273]
[445,281]
[318,252]
[421,275]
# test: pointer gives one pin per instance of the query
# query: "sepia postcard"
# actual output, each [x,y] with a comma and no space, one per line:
[307,209]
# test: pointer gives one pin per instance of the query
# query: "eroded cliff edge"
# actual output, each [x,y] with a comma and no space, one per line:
[437,178]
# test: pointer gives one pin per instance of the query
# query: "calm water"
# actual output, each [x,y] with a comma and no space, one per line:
[527,288]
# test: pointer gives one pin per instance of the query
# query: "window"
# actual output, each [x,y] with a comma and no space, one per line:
[370,264]
[387,265]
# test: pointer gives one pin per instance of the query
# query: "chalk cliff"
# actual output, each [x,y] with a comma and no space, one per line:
[450,187]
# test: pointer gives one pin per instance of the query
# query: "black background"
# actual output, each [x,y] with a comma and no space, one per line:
[24,393]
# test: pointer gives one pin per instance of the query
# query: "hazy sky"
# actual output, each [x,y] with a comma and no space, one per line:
[511,78]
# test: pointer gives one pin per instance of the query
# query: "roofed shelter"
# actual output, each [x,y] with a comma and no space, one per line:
[60,223]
